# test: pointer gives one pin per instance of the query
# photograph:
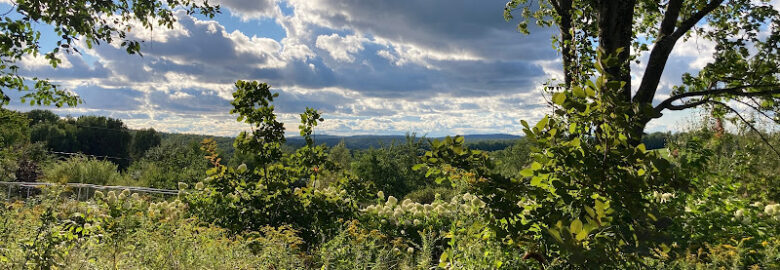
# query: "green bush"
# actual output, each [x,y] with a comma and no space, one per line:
[120,230]
[429,194]
[80,169]
[166,165]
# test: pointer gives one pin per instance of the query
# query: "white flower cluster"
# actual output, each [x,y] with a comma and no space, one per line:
[171,210]
[410,213]
[663,197]
[133,203]
[771,210]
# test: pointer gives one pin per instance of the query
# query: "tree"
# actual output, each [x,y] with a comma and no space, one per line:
[41,116]
[90,21]
[341,156]
[166,165]
[746,59]
[104,137]
[13,128]
[143,140]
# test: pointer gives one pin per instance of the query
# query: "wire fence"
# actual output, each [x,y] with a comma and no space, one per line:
[78,191]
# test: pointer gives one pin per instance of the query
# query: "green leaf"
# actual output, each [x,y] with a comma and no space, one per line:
[575,226]
[642,147]
[555,234]
[536,181]
[542,123]
[536,166]
[581,235]
[578,92]
[559,98]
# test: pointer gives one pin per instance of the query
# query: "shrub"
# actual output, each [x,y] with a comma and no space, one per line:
[80,169]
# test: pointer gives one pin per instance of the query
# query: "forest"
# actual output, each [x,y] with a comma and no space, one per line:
[585,187]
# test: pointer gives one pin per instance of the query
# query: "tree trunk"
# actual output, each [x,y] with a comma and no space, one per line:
[615,23]
[567,42]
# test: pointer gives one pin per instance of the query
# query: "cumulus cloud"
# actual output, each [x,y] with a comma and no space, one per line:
[250,9]
[340,48]
[433,67]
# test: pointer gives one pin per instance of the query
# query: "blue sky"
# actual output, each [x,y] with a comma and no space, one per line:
[436,67]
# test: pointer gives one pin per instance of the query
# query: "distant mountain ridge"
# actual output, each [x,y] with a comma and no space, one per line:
[498,140]
[488,142]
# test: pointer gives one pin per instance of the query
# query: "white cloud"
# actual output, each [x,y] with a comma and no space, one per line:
[250,9]
[341,48]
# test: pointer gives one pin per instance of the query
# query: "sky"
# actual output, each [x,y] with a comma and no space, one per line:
[434,67]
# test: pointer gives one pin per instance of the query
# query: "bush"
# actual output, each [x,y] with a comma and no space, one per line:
[127,231]
[80,169]
[23,163]
[166,165]
[428,194]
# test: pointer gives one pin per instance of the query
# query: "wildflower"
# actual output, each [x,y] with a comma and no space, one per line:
[769,209]
[199,186]
[183,185]
[406,203]
[99,194]
[391,200]
[410,250]
[241,168]
[398,213]
[739,213]
[135,196]
[757,204]
[381,195]
[417,222]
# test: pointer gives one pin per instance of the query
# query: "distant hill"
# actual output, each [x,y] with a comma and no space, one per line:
[489,142]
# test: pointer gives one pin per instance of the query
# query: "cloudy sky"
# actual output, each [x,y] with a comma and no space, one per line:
[435,67]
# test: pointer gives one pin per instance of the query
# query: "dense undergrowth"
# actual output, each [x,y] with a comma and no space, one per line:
[559,199]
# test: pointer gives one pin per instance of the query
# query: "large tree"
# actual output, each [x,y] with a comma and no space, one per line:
[91,21]
[744,70]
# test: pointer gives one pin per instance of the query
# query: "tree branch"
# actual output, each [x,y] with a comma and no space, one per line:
[758,110]
[665,44]
[670,17]
[687,24]
[761,135]
[687,105]
[737,91]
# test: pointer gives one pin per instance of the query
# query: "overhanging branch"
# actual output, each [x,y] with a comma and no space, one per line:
[707,94]
[761,135]
[687,24]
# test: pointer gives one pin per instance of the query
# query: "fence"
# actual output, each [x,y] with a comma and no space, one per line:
[79,191]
